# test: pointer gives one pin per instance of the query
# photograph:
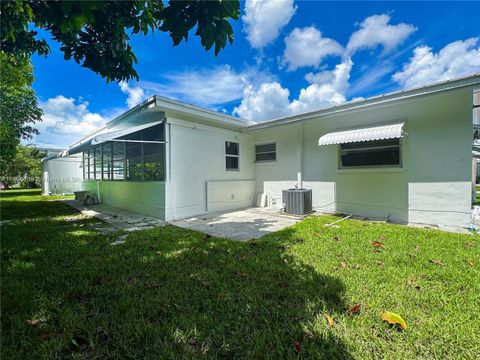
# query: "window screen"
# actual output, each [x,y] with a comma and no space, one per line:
[91,164]
[153,154]
[378,153]
[232,155]
[265,152]
[142,159]
[107,161]
[118,160]
[134,158]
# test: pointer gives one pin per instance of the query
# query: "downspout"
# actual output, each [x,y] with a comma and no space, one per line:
[300,156]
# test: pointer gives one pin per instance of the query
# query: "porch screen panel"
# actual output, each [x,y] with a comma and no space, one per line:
[134,157]
[98,162]
[107,161]
[154,154]
[118,161]
[91,164]
[85,165]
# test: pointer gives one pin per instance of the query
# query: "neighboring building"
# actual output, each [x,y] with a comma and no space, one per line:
[60,175]
[404,156]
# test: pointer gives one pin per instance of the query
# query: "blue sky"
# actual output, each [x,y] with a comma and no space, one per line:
[288,57]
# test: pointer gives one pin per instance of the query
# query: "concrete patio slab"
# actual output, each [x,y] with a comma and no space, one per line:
[115,218]
[242,225]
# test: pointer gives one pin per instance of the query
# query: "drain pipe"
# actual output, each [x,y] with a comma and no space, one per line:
[299,180]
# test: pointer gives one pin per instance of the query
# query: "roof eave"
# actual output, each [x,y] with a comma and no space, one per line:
[447,85]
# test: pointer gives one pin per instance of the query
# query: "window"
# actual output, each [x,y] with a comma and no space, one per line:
[232,155]
[139,158]
[266,152]
[378,153]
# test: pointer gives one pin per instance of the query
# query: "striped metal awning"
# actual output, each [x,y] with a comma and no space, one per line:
[391,131]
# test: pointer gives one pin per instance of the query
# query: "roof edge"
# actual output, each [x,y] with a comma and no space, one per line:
[446,85]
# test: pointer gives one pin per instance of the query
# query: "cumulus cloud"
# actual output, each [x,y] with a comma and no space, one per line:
[264,19]
[135,94]
[307,47]
[271,100]
[375,30]
[327,88]
[65,119]
[459,58]
[206,87]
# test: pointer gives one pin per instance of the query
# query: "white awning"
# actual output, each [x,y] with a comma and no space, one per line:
[392,131]
[107,136]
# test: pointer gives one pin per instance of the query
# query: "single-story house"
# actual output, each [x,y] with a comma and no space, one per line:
[404,156]
[60,175]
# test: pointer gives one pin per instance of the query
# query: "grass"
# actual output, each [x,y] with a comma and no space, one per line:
[172,293]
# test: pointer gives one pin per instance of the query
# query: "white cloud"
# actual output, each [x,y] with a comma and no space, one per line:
[264,19]
[268,102]
[370,78]
[135,94]
[206,87]
[65,120]
[271,100]
[307,47]
[327,88]
[459,58]
[375,30]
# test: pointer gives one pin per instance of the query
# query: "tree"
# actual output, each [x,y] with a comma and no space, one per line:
[94,33]
[18,105]
[24,169]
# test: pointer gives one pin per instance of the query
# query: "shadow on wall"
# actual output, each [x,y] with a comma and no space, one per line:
[180,293]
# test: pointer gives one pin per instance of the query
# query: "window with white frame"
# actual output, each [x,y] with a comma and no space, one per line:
[232,155]
[266,152]
[377,153]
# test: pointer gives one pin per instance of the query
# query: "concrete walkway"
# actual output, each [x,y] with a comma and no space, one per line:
[115,218]
[244,224]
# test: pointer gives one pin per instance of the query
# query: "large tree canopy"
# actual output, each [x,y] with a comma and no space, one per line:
[18,104]
[24,169]
[96,33]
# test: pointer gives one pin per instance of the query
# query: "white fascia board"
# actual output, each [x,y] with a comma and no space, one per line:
[192,111]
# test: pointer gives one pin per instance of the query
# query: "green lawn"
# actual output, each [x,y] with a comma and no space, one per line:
[173,293]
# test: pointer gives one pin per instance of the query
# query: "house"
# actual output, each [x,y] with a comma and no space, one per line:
[60,175]
[404,156]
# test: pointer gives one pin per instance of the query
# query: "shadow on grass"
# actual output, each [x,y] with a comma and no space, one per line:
[32,209]
[169,293]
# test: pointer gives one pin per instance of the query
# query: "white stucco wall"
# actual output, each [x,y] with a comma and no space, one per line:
[432,186]
[62,175]
[198,181]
